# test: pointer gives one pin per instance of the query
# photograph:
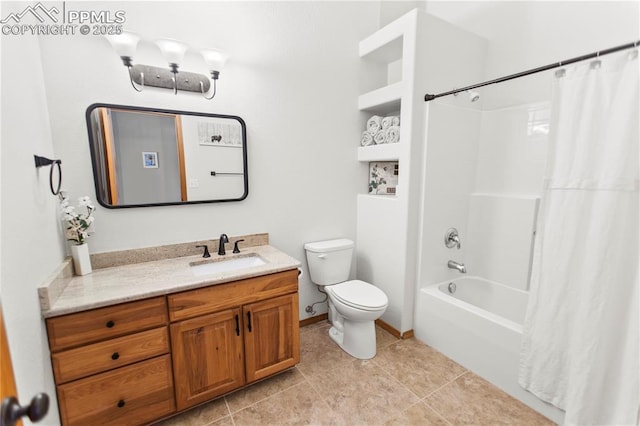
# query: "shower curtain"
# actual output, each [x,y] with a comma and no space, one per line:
[580,338]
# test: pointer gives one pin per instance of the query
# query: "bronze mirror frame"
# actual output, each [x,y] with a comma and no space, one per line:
[99,176]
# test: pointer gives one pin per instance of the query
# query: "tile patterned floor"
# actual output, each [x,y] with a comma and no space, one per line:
[407,383]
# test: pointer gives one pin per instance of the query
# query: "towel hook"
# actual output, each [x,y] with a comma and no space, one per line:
[43,161]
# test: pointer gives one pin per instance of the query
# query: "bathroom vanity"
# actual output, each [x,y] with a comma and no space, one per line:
[136,343]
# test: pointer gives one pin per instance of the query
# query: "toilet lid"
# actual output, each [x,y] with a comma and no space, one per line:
[360,294]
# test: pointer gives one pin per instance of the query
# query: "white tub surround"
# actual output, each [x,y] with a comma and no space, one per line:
[120,284]
[500,233]
[480,327]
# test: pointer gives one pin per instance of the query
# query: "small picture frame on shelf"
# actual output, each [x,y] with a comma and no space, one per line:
[383,177]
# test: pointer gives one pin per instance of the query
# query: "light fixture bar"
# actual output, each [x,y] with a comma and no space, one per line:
[163,77]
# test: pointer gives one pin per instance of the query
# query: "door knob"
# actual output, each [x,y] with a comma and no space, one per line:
[11,410]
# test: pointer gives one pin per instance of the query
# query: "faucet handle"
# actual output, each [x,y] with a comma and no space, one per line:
[206,250]
[451,238]
[235,246]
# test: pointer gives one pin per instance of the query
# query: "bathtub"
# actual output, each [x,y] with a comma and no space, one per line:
[478,323]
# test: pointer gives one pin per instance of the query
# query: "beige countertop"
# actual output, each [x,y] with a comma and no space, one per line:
[109,286]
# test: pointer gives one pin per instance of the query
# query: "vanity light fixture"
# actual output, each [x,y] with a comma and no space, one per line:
[169,78]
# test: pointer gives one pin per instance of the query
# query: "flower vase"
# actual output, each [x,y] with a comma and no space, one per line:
[81,259]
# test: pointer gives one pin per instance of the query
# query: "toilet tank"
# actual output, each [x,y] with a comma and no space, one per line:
[329,261]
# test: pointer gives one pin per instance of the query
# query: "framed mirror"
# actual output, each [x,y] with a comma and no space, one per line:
[152,157]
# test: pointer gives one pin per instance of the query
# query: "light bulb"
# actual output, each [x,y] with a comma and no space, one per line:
[124,44]
[215,59]
[172,50]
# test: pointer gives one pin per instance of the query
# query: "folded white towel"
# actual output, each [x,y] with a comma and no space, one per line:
[387,122]
[392,134]
[395,120]
[380,137]
[366,139]
[374,124]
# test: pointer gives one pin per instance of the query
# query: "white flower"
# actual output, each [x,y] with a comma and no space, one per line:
[84,201]
[78,225]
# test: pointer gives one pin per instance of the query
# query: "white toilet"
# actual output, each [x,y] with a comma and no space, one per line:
[353,305]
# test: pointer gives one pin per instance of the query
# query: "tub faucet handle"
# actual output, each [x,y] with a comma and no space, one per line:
[451,238]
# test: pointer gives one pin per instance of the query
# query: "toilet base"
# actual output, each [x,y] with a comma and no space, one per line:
[358,339]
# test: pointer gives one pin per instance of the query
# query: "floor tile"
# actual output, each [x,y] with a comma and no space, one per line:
[298,405]
[418,414]
[318,353]
[419,367]
[472,400]
[225,421]
[319,324]
[384,338]
[199,416]
[261,390]
[407,383]
[363,393]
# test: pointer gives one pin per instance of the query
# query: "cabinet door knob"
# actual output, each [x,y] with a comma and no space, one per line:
[110,324]
[115,356]
[121,403]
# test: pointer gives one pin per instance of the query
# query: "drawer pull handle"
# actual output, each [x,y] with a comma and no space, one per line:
[115,356]
[249,321]
[237,325]
[121,403]
[110,324]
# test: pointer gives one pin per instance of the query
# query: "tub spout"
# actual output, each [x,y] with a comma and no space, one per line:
[452,264]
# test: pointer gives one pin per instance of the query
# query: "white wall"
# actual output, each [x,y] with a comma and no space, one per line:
[293,76]
[528,34]
[31,235]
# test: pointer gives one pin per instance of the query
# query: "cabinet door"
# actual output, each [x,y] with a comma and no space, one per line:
[272,336]
[207,357]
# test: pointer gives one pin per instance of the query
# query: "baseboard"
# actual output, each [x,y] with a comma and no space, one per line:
[397,334]
[313,320]
[406,335]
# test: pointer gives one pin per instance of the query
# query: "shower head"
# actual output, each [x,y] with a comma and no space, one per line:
[473,96]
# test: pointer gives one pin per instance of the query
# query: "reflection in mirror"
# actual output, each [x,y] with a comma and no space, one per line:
[149,157]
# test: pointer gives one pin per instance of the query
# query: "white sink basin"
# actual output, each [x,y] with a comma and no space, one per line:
[225,265]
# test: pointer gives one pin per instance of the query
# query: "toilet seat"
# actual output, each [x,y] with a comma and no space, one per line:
[360,295]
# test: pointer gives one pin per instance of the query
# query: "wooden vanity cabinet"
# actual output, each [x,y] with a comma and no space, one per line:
[137,362]
[112,365]
[229,335]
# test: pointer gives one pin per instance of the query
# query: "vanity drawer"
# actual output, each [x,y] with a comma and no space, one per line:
[131,395]
[80,362]
[104,323]
[206,300]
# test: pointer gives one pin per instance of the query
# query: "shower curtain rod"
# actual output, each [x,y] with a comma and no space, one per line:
[429,97]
